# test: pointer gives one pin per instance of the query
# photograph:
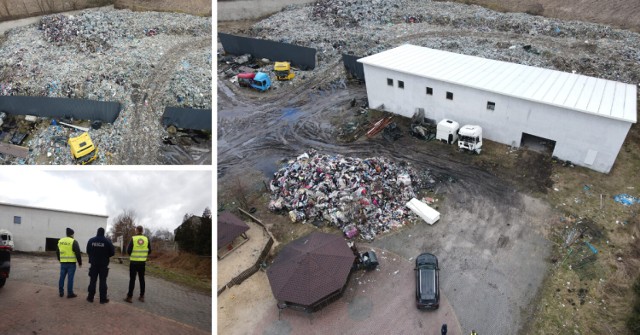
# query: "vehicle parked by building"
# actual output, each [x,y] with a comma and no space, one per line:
[470,138]
[447,131]
[427,282]
[6,247]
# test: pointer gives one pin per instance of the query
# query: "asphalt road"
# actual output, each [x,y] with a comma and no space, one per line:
[164,301]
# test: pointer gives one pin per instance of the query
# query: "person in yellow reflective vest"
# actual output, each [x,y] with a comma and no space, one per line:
[139,249]
[68,254]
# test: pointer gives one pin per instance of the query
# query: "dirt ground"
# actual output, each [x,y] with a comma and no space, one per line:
[194,7]
[15,9]
[369,299]
[494,237]
[623,14]
[179,308]
[489,230]
[244,256]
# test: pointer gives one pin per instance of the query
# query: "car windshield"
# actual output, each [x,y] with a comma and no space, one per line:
[427,284]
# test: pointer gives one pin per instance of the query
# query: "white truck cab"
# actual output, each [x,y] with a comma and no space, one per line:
[447,131]
[470,138]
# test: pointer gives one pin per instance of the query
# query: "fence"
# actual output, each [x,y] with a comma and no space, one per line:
[244,275]
[105,111]
[188,118]
[352,65]
[302,57]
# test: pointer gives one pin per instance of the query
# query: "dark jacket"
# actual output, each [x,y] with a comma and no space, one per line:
[76,249]
[130,248]
[99,249]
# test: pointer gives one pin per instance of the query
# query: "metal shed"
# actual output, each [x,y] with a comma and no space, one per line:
[586,118]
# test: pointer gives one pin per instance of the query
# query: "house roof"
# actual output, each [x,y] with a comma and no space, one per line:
[577,92]
[229,227]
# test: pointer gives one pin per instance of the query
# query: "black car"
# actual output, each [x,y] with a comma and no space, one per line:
[427,282]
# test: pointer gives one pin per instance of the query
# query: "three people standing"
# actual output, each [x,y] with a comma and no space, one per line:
[99,250]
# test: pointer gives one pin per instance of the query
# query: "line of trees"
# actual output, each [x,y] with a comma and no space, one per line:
[193,235]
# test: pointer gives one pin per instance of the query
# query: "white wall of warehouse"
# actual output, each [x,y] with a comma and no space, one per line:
[575,133]
[36,225]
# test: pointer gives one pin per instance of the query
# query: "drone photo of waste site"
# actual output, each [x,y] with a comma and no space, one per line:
[428,167]
[93,82]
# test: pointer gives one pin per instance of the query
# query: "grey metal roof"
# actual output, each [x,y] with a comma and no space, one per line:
[591,95]
[51,209]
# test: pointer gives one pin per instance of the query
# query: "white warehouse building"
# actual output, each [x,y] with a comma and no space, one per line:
[586,118]
[38,229]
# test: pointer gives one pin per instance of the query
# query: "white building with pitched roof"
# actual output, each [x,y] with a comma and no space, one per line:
[586,118]
[39,229]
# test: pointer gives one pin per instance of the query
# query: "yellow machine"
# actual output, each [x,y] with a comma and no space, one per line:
[283,71]
[82,149]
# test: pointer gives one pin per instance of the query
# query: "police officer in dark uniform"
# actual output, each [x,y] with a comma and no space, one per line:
[99,249]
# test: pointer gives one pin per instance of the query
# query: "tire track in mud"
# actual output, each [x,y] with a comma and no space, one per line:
[269,135]
[145,127]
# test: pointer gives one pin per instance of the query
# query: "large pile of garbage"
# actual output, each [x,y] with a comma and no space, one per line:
[108,55]
[362,197]
[362,28]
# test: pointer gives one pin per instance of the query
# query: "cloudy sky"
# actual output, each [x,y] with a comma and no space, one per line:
[160,199]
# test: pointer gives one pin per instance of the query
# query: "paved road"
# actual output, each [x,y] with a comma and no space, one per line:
[164,301]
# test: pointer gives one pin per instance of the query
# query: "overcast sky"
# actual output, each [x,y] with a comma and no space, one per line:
[160,199]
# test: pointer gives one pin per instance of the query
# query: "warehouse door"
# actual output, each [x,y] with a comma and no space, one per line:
[538,144]
[51,244]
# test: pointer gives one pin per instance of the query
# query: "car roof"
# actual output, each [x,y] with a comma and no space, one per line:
[426,258]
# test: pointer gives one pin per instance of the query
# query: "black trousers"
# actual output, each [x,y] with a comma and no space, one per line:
[136,268]
[96,272]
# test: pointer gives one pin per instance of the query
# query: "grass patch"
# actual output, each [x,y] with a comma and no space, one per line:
[179,277]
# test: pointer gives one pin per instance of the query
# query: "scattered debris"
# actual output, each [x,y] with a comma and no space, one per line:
[107,55]
[626,199]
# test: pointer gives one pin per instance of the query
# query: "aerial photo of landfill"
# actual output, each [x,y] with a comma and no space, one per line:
[106,86]
[478,158]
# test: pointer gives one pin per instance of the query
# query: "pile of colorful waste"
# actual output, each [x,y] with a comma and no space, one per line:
[362,197]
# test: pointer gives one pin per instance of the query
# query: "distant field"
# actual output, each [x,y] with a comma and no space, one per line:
[17,9]
[194,7]
[618,13]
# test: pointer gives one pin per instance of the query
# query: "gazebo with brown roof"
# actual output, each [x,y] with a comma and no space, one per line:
[311,271]
[229,228]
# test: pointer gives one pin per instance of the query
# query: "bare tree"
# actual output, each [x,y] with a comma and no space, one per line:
[124,225]
[51,4]
[41,5]
[74,4]
[26,9]
[5,5]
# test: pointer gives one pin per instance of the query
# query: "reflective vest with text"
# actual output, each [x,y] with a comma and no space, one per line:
[140,249]
[65,246]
